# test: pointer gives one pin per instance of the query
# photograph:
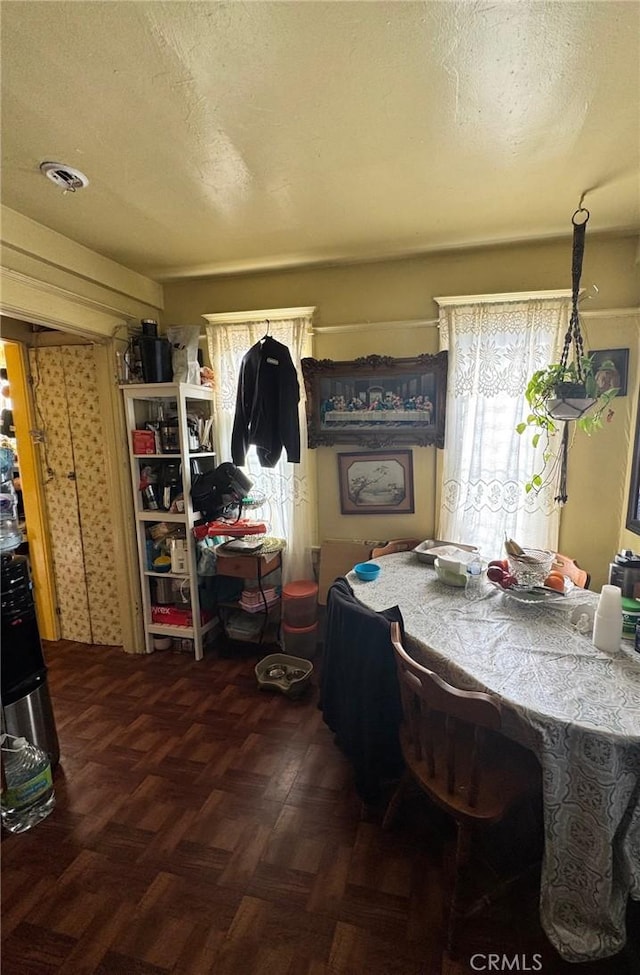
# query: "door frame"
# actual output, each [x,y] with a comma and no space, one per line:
[35,511]
[70,316]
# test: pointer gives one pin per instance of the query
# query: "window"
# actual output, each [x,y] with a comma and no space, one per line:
[495,343]
[290,507]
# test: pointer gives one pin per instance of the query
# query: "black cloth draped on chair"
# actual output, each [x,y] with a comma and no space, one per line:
[360,697]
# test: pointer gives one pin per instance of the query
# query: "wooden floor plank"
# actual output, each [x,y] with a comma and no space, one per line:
[204,827]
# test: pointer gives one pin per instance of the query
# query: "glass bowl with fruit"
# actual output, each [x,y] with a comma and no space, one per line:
[514,574]
[532,567]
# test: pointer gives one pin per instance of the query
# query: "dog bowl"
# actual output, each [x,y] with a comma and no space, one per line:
[367,571]
[282,672]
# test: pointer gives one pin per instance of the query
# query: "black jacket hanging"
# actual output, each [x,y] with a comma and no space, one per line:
[267,405]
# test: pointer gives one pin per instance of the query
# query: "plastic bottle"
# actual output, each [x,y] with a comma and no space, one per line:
[607,626]
[10,534]
[473,587]
[28,795]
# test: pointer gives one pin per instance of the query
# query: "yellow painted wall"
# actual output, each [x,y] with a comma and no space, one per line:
[400,290]
[404,289]
[593,518]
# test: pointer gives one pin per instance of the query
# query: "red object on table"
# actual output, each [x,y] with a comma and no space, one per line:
[232,529]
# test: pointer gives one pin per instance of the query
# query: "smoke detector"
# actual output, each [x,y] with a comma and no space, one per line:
[67,177]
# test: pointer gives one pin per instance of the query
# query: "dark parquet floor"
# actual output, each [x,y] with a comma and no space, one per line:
[203,826]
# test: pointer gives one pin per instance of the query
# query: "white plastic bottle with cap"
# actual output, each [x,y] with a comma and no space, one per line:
[179,555]
[27,794]
[607,626]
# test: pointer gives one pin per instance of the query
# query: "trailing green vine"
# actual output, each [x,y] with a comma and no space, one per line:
[576,381]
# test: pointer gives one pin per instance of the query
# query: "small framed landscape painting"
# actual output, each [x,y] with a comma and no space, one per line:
[379,483]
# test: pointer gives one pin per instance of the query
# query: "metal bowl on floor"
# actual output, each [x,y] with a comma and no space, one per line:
[284,673]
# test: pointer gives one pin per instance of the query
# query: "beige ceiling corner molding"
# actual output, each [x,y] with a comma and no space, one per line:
[259,315]
[508,296]
[42,303]
[611,313]
[379,326]
[26,237]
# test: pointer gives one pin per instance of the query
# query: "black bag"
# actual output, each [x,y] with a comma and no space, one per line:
[218,492]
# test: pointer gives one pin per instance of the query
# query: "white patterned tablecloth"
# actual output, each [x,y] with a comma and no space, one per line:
[576,707]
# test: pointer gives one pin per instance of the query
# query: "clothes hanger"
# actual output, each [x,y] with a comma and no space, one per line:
[266,334]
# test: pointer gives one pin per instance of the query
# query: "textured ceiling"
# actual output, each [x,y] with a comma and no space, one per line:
[227,136]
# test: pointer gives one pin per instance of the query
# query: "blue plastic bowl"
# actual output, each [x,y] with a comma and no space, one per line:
[367,571]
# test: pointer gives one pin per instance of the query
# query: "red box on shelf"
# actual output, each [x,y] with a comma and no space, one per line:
[144,441]
[174,616]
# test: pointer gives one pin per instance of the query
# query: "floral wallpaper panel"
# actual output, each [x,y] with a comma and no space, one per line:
[66,393]
[60,490]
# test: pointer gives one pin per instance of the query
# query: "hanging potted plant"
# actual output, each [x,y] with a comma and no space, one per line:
[567,390]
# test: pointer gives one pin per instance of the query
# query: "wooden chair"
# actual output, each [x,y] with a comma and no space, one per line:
[452,749]
[570,568]
[395,545]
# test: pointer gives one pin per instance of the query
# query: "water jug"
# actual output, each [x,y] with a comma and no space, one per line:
[10,534]
[27,794]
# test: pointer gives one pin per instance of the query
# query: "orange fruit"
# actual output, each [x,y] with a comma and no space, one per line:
[555,580]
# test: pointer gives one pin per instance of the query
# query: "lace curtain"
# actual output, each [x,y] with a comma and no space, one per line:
[289,510]
[494,348]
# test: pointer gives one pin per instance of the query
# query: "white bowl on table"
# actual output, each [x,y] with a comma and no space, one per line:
[451,573]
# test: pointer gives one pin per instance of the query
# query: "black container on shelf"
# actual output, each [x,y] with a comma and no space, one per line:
[170,435]
[155,354]
[171,485]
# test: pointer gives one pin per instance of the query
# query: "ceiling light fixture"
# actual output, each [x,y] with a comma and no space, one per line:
[67,177]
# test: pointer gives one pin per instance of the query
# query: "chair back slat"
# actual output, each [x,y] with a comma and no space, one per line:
[474,777]
[451,738]
[415,720]
[427,741]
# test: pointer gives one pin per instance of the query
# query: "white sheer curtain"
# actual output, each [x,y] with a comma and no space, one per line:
[494,347]
[289,488]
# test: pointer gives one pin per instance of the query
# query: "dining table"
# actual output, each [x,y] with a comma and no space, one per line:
[576,707]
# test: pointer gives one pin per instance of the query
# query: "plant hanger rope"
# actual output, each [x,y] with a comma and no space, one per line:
[574,335]
[562,497]
[567,391]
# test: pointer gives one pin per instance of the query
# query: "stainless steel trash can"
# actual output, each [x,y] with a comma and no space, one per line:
[31,717]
